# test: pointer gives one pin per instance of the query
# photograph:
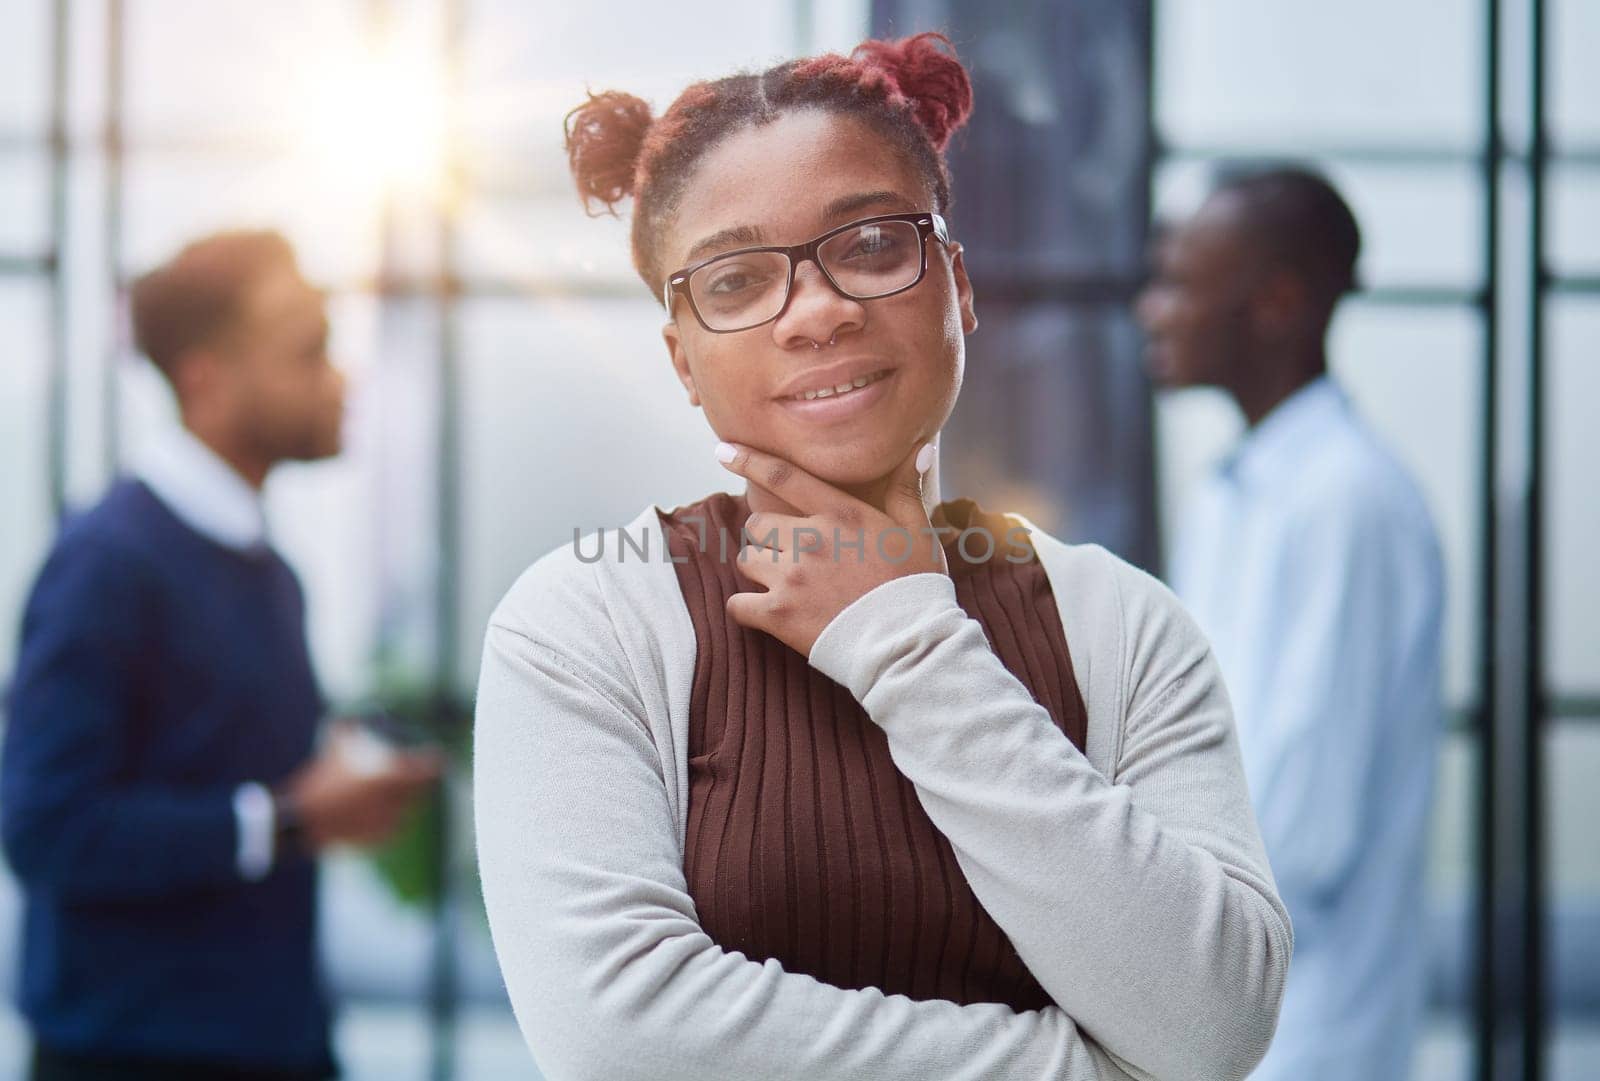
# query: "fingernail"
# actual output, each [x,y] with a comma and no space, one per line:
[725,452]
[925,457]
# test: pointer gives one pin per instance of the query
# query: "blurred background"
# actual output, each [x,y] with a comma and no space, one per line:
[496,336]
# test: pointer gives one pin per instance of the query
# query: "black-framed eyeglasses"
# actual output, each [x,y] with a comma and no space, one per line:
[863,260]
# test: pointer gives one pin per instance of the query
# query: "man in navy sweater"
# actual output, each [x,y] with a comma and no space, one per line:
[161,795]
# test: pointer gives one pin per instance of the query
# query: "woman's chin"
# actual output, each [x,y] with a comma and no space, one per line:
[847,466]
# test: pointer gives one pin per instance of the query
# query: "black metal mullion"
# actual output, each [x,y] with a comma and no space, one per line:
[1534,1012]
[26,266]
[1572,707]
[115,149]
[1492,161]
[444,992]
[1377,154]
[55,262]
[1580,285]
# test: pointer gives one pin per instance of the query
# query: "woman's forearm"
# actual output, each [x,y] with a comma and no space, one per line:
[1145,907]
[608,970]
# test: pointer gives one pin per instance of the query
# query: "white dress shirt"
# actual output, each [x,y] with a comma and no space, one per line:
[1311,562]
[211,498]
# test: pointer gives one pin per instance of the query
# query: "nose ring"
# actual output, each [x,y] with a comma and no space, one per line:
[814,344]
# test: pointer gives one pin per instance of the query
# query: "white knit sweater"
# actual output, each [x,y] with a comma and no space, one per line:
[1130,878]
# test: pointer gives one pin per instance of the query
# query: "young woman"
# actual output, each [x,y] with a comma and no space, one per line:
[900,788]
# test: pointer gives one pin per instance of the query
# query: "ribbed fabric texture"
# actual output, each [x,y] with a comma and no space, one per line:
[805,844]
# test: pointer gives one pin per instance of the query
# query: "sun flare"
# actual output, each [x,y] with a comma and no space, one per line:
[378,121]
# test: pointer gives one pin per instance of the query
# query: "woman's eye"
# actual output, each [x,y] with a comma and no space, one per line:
[733,280]
[871,242]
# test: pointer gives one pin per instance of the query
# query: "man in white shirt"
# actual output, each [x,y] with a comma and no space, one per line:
[1311,562]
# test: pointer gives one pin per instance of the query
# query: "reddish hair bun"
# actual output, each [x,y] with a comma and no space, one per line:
[924,69]
[604,137]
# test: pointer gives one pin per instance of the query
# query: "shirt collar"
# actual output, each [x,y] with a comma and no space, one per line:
[1278,438]
[204,491]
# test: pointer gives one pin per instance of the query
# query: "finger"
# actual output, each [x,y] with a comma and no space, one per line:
[405,782]
[784,479]
[748,610]
[904,501]
[422,764]
[784,532]
[761,565]
[406,787]
[401,785]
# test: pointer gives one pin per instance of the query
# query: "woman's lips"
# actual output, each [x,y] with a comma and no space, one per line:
[836,407]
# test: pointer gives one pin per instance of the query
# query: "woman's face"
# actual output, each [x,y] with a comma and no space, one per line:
[785,183]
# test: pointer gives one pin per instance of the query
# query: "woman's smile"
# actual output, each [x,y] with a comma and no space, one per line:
[837,393]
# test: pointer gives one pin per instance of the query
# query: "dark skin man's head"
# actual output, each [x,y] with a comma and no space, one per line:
[243,339]
[1243,291]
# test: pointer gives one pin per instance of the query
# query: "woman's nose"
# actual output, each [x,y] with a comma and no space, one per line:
[816,312]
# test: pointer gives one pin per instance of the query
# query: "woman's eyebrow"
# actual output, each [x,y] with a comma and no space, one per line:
[849,204]
[738,234]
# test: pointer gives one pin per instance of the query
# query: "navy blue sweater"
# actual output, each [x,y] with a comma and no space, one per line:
[157,672]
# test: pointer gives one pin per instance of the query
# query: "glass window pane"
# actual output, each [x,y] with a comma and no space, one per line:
[390,352]
[24,203]
[25,69]
[1572,447]
[1194,429]
[327,518]
[1572,925]
[523,60]
[1572,234]
[1444,1052]
[376,951]
[577,420]
[545,240]
[24,453]
[1574,77]
[171,199]
[1420,225]
[1267,73]
[232,68]
[522,72]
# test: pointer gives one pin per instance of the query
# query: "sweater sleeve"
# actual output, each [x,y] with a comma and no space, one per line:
[75,821]
[1144,906]
[609,972]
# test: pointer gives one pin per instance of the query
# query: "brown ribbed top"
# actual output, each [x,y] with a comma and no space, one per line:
[805,844]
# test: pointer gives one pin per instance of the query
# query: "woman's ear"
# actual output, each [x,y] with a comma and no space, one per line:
[958,267]
[680,360]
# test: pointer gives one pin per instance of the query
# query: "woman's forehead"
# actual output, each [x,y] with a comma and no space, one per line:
[785,181]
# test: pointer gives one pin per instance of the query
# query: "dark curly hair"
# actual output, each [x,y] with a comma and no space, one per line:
[914,91]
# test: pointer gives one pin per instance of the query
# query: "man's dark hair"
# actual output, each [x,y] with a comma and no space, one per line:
[198,293]
[1300,221]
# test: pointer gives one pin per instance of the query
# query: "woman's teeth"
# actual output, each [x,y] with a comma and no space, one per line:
[842,388]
